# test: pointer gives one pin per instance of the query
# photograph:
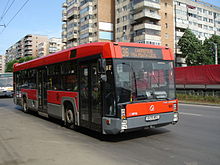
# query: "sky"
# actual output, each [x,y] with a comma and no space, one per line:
[37,17]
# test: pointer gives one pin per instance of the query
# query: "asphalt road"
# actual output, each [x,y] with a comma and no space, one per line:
[32,140]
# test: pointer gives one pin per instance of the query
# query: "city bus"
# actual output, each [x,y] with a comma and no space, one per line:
[6,84]
[107,87]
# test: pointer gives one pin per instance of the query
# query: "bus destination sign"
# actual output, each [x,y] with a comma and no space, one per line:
[150,53]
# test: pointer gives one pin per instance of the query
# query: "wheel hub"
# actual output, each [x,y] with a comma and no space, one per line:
[69,116]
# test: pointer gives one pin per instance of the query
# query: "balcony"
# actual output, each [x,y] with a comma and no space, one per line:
[64,40]
[147,26]
[64,5]
[28,38]
[146,14]
[28,49]
[18,56]
[147,37]
[27,53]
[64,33]
[71,14]
[64,26]
[28,43]
[181,25]
[74,28]
[146,4]
[179,34]
[64,12]
[72,37]
[64,19]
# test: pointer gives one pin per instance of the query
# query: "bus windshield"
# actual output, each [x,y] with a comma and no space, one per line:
[139,79]
[6,82]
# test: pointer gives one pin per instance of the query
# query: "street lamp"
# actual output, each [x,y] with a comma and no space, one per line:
[3,25]
[216,52]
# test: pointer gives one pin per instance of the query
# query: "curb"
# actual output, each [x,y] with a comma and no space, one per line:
[197,103]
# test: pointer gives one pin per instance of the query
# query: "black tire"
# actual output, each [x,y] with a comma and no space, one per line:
[70,117]
[24,106]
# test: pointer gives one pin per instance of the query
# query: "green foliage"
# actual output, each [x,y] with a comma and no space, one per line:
[197,53]
[199,98]
[209,47]
[9,65]
[190,47]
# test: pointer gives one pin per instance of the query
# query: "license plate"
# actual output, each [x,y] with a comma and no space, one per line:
[152,118]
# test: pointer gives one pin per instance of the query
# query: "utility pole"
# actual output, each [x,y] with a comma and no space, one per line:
[216,52]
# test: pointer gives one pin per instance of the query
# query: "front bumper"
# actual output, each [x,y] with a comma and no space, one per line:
[116,125]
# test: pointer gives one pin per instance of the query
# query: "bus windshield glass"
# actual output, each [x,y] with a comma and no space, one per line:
[139,79]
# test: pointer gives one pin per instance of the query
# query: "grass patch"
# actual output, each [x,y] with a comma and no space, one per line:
[199,99]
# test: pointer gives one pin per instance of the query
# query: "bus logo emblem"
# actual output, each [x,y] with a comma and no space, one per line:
[151,108]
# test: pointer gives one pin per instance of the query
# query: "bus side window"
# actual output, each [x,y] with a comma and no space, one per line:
[54,81]
[69,76]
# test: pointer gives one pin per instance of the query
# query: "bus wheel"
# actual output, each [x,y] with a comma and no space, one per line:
[25,107]
[69,116]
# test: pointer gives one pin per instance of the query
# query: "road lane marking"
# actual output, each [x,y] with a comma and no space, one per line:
[197,105]
[190,114]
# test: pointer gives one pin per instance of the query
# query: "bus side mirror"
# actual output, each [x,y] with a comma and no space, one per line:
[102,65]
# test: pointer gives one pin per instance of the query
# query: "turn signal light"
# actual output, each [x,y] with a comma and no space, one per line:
[123,114]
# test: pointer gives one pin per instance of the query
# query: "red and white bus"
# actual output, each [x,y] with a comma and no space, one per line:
[107,87]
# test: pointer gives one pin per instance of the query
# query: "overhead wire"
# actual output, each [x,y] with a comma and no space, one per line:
[15,15]
[4,9]
[3,15]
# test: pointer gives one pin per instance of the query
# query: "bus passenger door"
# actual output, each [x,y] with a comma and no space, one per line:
[42,91]
[90,96]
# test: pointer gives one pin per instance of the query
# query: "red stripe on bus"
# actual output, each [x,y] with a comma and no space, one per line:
[55,97]
[31,93]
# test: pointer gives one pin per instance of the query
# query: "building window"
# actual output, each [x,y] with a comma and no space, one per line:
[165,15]
[105,35]
[118,20]
[166,25]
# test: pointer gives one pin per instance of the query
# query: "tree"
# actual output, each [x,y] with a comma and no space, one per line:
[191,48]
[209,47]
[9,65]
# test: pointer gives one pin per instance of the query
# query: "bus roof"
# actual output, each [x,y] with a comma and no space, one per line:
[85,50]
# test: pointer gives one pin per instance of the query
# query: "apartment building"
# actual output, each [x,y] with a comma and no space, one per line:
[86,21]
[203,19]
[51,46]
[118,20]
[158,22]
[10,53]
[145,21]
[27,46]
[2,64]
